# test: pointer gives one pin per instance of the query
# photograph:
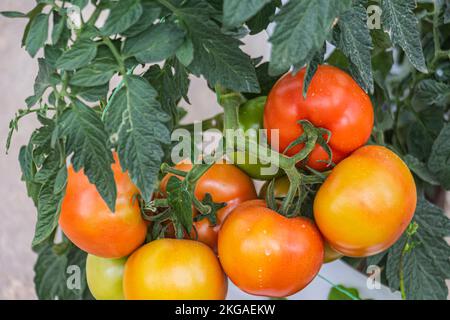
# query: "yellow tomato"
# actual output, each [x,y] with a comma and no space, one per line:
[174,269]
[366,203]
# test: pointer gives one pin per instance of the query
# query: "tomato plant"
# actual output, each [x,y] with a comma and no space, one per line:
[334,102]
[251,117]
[88,222]
[366,203]
[104,277]
[277,256]
[173,269]
[339,77]
[226,184]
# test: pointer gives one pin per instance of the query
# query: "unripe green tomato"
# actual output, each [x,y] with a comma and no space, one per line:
[104,277]
[280,188]
[251,117]
[330,254]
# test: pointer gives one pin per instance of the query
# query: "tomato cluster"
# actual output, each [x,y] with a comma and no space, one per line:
[361,209]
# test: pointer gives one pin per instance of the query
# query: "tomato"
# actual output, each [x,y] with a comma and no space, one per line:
[225,183]
[280,189]
[87,221]
[174,269]
[334,102]
[251,120]
[366,202]
[330,254]
[267,254]
[105,277]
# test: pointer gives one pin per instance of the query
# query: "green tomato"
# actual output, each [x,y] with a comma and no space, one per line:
[104,277]
[251,116]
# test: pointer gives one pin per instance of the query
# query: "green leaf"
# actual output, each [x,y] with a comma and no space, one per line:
[420,169]
[311,69]
[150,13]
[123,15]
[439,161]
[88,141]
[92,94]
[37,35]
[180,203]
[185,53]
[136,123]
[422,133]
[155,44]
[301,30]
[398,18]
[13,14]
[49,203]
[216,56]
[80,3]
[60,180]
[31,15]
[236,12]
[79,55]
[355,42]
[51,55]
[337,293]
[59,23]
[427,264]
[95,74]
[431,92]
[26,162]
[261,20]
[172,83]
[53,271]
[45,78]
[266,81]
[423,255]
[447,12]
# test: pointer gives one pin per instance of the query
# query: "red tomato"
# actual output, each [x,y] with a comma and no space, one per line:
[334,102]
[87,221]
[267,254]
[225,183]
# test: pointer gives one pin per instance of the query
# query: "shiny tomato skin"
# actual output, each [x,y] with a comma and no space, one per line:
[225,183]
[174,269]
[334,102]
[87,221]
[105,277]
[266,254]
[280,190]
[366,203]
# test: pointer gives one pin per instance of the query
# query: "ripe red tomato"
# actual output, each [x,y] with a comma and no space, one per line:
[334,102]
[366,202]
[87,221]
[280,190]
[173,269]
[225,183]
[267,254]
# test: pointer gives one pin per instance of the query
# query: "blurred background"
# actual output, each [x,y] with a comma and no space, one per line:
[18,215]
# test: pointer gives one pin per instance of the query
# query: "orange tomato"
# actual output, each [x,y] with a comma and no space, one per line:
[225,183]
[267,254]
[334,102]
[87,221]
[366,202]
[174,269]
